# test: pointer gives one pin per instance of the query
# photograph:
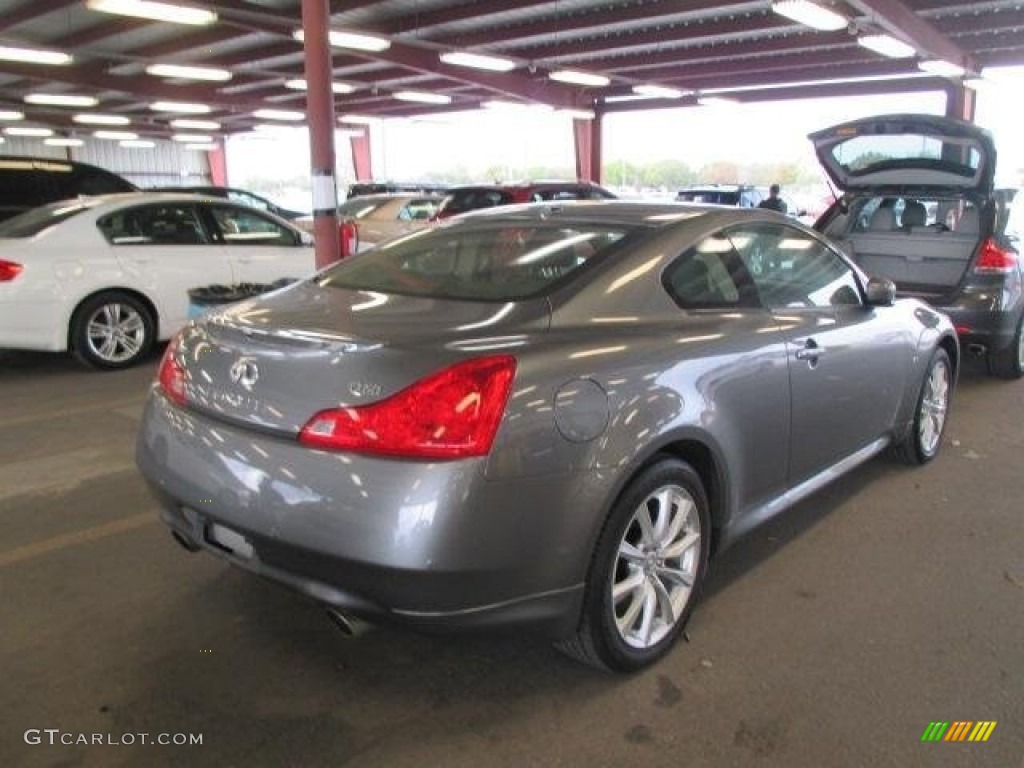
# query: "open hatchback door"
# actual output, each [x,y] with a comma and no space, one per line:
[907,151]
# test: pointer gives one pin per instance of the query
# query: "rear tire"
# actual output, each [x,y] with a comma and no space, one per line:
[922,443]
[1009,363]
[112,330]
[647,569]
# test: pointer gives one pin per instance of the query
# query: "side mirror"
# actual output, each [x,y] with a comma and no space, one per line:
[881,292]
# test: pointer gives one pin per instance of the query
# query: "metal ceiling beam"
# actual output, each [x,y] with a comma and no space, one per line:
[424,20]
[571,24]
[681,37]
[761,50]
[900,20]
[99,32]
[32,10]
[510,84]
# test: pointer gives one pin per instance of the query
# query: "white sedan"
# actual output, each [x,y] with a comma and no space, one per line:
[108,276]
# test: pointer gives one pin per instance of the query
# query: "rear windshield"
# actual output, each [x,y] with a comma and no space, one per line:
[473,199]
[869,154]
[33,222]
[715,197]
[477,261]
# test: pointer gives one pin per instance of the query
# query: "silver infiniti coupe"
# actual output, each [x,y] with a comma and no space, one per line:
[547,416]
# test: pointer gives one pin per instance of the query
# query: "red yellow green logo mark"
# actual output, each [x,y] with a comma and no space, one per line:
[959,730]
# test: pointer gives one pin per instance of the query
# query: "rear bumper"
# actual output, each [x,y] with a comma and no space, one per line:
[986,315]
[428,545]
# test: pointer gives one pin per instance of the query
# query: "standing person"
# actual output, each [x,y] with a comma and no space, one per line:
[773,202]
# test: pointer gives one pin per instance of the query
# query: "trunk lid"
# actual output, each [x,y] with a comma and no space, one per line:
[274,361]
[902,151]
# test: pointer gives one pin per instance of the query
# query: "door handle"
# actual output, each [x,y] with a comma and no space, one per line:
[810,351]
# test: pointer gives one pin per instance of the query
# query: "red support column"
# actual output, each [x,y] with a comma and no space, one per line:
[361,162]
[320,116]
[218,165]
[960,102]
[587,140]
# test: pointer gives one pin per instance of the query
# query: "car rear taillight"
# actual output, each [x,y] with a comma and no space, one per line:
[171,375]
[348,234]
[9,270]
[994,260]
[451,414]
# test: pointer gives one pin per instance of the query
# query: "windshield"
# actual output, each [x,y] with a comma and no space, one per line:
[31,223]
[477,261]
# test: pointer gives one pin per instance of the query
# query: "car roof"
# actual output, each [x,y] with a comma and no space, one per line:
[628,213]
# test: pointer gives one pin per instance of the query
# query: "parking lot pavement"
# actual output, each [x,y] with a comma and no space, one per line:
[832,636]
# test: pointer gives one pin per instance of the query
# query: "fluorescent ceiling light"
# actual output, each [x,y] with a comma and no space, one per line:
[478,61]
[716,101]
[179,106]
[886,45]
[811,15]
[197,125]
[423,98]
[515,106]
[279,114]
[276,128]
[27,131]
[192,138]
[11,114]
[299,84]
[940,68]
[33,55]
[188,73]
[138,144]
[61,100]
[115,135]
[358,119]
[201,147]
[349,133]
[352,40]
[577,114]
[62,142]
[579,78]
[657,91]
[149,9]
[87,118]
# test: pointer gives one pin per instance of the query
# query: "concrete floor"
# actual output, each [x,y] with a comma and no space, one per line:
[830,637]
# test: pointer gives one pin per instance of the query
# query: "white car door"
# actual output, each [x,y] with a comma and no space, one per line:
[167,251]
[259,249]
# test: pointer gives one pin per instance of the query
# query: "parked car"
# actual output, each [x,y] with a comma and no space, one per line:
[539,416]
[738,195]
[238,196]
[28,182]
[107,276]
[920,207]
[362,188]
[476,196]
[381,217]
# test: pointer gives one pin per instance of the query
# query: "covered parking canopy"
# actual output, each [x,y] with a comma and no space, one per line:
[394,58]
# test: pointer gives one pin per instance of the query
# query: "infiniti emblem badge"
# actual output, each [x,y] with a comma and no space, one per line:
[245,372]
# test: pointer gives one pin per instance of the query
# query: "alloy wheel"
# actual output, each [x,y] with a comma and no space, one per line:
[934,404]
[656,566]
[115,333]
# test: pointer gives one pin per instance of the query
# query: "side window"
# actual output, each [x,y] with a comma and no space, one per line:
[154,225]
[710,275]
[239,226]
[792,269]
[244,199]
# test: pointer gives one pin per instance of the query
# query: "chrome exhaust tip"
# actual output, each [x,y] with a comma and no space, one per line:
[349,626]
